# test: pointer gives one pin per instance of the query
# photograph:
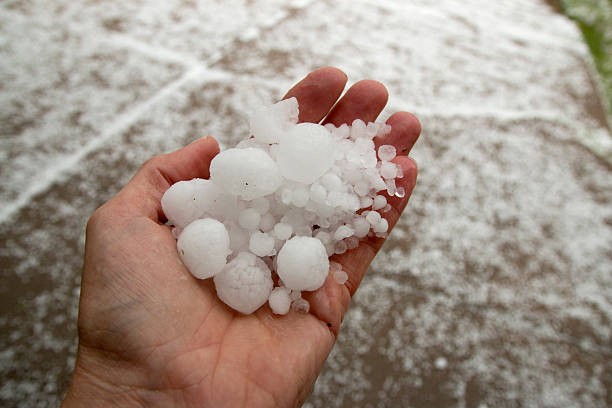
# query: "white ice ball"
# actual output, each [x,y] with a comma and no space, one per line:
[247,173]
[186,201]
[302,263]
[305,152]
[270,122]
[245,283]
[280,301]
[203,247]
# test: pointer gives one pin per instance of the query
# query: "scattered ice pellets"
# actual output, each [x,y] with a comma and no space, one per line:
[261,243]
[388,170]
[249,219]
[342,232]
[279,300]
[373,217]
[245,283]
[203,247]
[302,263]
[269,123]
[340,277]
[386,153]
[305,152]
[441,363]
[267,222]
[247,173]
[300,305]
[283,231]
[379,202]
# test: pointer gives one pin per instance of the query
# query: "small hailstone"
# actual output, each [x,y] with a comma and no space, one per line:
[267,222]
[203,247]
[332,182]
[300,197]
[249,219]
[268,124]
[261,205]
[300,305]
[340,277]
[334,266]
[365,202]
[318,193]
[373,217]
[361,226]
[247,173]
[391,188]
[381,226]
[379,202]
[343,232]
[245,283]
[279,300]
[386,153]
[340,247]
[400,192]
[295,295]
[388,170]
[352,242]
[261,243]
[441,363]
[283,231]
[305,152]
[302,263]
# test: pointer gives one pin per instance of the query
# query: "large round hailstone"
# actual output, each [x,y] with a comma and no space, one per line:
[186,201]
[245,283]
[302,263]
[306,152]
[203,247]
[248,173]
[270,122]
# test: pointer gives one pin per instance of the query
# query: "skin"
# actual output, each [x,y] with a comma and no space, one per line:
[152,335]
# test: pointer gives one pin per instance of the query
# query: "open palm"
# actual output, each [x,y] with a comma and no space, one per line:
[150,334]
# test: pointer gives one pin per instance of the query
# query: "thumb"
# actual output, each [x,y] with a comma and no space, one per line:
[142,195]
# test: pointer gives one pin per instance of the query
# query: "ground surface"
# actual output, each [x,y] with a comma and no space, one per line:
[495,288]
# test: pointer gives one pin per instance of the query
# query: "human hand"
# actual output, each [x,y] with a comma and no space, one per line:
[150,334]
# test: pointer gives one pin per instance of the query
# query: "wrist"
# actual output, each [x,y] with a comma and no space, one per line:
[98,382]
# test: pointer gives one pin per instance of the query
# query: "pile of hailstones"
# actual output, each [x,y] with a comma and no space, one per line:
[283,200]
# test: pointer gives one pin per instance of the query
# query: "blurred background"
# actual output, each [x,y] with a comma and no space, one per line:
[494,290]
